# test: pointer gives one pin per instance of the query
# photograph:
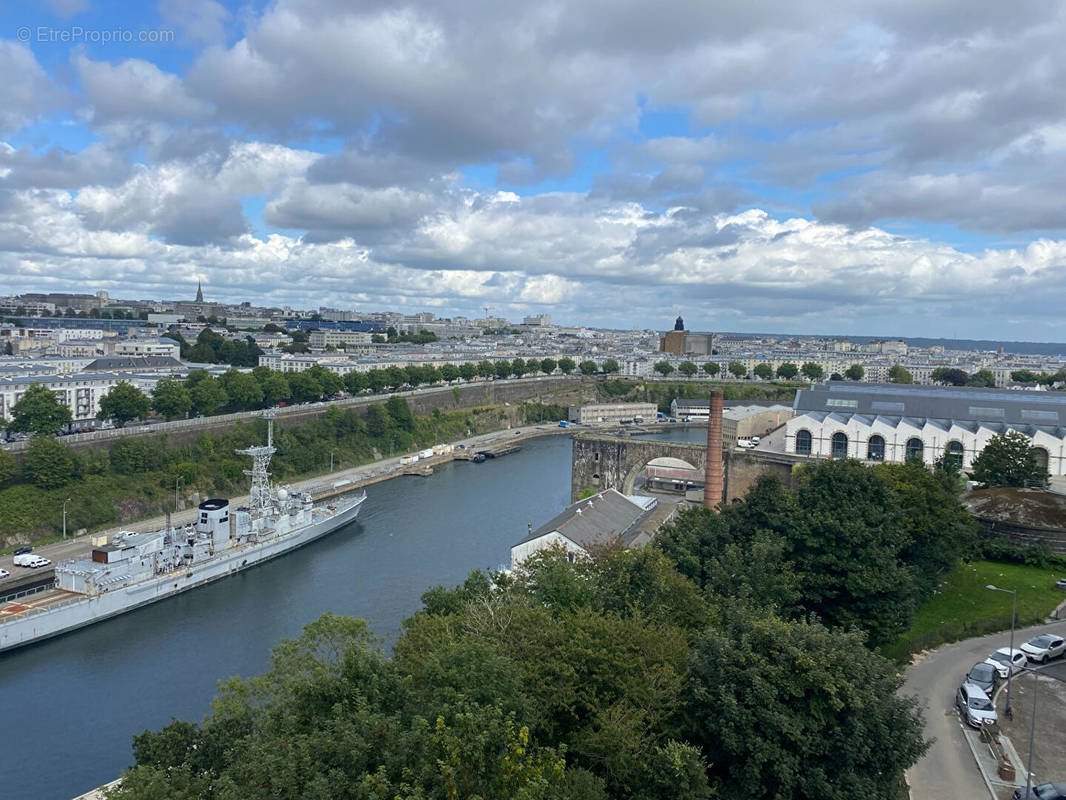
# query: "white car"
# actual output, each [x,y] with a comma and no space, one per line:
[974,705]
[1005,659]
[4,573]
[1043,647]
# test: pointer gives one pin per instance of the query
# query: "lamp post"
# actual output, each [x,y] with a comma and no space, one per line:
[1032,730]
[331,461]
[1010,668]
[177,481]
[65,517]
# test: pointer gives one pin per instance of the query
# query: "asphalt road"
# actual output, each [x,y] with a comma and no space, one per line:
[948,771]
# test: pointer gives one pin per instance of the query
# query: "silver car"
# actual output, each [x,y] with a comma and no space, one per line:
[974,705]
[1043,647]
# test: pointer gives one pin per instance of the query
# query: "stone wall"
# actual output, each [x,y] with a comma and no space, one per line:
[1024,535]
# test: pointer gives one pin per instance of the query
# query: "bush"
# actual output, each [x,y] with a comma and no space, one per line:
[1036,555]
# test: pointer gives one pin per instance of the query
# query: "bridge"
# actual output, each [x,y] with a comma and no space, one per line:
[608,461]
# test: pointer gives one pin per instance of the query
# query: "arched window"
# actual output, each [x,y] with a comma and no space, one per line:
[839,447]
[1040,457]
[803,443]
[875,448]
[914,449]
[954,454]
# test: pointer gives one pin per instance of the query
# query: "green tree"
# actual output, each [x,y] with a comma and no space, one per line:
[49,463]
[687,368]
[567,365]
[377,380]
[711,368]
[400,413]
[486,369]
[737,369]
[788,371]
[207,396]
[518,367]
[900,374]
[502,368]
[855,372]
[812,371]
[8,468]
[304,387]
[796,710]
[449,372]
[1009,459]
[1026,376]
[763,370]
[275,388]
[242,389]
[611,366]
[378,420]
[950,375]
[983,377]
[468,371]
[328,381]
[664,368]
[39,411]
[356,382]
[123,403]
[588,367]
[171,399]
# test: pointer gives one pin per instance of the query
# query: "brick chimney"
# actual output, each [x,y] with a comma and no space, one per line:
[713,482]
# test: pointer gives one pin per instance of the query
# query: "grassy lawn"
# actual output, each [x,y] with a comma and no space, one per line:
[964,607]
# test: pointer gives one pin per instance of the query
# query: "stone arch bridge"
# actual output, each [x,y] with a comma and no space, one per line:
[607,461]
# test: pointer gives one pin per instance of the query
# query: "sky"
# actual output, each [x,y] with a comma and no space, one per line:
[895,167]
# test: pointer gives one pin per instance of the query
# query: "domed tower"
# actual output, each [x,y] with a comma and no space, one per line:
[679,324]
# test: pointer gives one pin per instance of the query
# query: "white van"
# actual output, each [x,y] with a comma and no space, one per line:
[30,560]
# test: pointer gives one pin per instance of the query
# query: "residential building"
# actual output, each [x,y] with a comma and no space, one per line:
[613,413]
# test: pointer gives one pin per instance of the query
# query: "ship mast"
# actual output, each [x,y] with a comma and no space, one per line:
[260,491]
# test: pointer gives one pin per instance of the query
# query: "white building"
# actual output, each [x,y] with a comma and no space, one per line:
[80,393]
[893,422]
[156,346]
[613,413]
[338,339]
[609,517]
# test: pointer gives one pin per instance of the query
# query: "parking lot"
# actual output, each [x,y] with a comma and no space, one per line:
[1048,685]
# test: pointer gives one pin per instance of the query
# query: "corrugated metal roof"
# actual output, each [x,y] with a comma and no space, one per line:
[598,520]
[945,404]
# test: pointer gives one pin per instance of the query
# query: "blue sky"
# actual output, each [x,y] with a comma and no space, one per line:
[807,167]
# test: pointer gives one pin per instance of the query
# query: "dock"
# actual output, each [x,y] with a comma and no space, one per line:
[499,450]
[420,472]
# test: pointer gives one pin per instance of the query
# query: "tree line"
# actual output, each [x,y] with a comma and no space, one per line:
[732,658]
[786,371]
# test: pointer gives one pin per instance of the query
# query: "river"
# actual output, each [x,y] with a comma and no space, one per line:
[71,704]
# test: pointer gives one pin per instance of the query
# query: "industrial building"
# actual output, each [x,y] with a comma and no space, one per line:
[613,413]
[897,422]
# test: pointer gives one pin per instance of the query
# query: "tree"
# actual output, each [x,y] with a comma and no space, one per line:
[855,372]
[449,372]
[329,382]
[567,365]
[953,376]
[788,371]
[486,369]
[983,377]
[207,396]
[796,710]
[518,367]
[588,367]
[467,371]
[664,368]
[123,403]
[611,366]
[737,369]
[763,370]
[400,413]
[171,399]
[356,382]
[1009,459]
[899,374]
[242,389]
[812,371]
[1026,376]
[276,388]
[503,368]
[378,420]
[711,368]
[39,411]
[304,387]
[49,463]
[8,468]
[687,368]
[836,376]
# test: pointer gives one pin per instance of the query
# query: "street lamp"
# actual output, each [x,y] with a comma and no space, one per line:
[1010,668]
[176,482]
[65,517]
[331,461]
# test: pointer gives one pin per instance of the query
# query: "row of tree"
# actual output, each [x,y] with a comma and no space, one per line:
[731,659]
[737,369]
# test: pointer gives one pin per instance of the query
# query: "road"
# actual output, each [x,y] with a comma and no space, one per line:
[948,771]
[75,547]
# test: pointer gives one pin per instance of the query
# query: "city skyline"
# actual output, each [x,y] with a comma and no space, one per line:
[808,168]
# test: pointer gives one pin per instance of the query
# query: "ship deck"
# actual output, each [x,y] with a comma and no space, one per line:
[35,604]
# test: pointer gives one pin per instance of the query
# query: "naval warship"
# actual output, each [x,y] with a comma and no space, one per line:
[134,569]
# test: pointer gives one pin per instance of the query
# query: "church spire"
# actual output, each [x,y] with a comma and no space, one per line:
[199,292]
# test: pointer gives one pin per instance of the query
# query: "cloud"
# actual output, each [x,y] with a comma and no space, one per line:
[26,91]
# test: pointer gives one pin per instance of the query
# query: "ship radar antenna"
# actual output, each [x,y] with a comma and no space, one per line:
[259,494]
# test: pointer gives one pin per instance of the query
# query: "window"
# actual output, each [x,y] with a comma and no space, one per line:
[1040,416]
[836,402]
[983,412]
[1040,456]
[839,447]
[884,405]
[875,448]
[914,449]
[803,443]
[954,454]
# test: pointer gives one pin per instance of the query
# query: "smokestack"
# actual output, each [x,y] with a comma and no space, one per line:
[713,483]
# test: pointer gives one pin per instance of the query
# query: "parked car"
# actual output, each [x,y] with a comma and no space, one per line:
[1045,791]
[1043,647]
[974,705]
[22,550]
[4,573]
[1004,659]
[1060,583]
[985,676]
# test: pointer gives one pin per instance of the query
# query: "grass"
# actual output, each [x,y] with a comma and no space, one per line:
[964,607]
